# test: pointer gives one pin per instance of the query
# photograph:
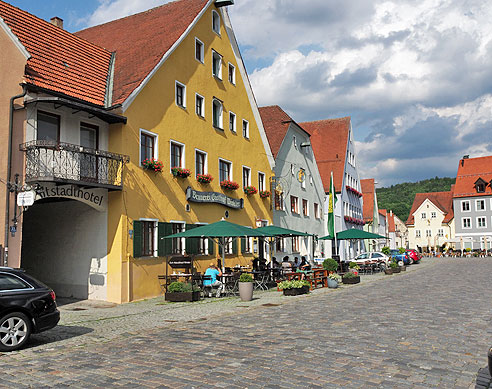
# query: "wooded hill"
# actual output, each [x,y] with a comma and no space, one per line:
[399,198]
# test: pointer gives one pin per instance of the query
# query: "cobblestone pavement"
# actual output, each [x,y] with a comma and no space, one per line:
[427,327]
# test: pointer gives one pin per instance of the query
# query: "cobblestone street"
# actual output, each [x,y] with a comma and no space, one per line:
[427,327]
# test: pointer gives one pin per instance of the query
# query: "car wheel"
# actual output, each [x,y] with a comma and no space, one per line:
[15,329]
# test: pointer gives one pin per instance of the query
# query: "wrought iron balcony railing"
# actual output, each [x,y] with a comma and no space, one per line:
[67,163]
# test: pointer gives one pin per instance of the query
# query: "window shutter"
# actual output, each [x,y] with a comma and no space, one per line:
[137,239]
[164,246]
[220,250]
[191,243]
[234,245]
[243,245]
[211,247]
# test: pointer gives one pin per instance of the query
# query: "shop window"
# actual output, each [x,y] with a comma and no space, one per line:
[148,145]
[177,153]
[145,238]
[48,127]
[225,169]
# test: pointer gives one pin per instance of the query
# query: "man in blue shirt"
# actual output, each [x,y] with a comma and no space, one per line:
[213,272]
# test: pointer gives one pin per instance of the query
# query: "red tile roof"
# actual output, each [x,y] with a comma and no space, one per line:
[141,40]
[367,186]
[469,171]
[442,200]
[329,139]
[60,61]
[391,222]
[276,123]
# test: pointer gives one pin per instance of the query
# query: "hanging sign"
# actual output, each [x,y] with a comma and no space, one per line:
[213,197]
[26,199]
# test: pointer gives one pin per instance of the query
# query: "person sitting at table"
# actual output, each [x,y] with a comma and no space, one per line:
[213,272]
[297,263]
[275,263]
[304,264]
[286,265]
[262,264]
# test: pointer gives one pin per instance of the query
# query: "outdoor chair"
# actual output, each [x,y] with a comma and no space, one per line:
[261,280]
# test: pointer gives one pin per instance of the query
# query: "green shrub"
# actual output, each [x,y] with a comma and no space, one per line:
[468,249]
[402,250]
[330,264]
[393,265]
[353,265]
[245,277]
[334,277]
[178,286]
[386,250]
[349,275]
[292,284]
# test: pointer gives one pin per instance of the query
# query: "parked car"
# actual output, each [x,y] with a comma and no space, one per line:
[395,253]
[26,306]
[376,255]
[414,255]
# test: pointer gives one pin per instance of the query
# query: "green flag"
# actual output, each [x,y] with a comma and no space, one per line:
[332,200]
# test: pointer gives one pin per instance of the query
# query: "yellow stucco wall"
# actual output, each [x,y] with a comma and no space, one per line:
[161,196]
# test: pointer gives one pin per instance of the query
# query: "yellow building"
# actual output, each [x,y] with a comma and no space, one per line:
[180,94]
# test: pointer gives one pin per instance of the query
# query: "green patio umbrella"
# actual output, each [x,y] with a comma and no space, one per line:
[218,232]
[280,231]
[353,233]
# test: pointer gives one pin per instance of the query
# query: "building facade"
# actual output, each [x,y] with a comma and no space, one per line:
[298,193]
[472,201]
[122,162]
[370,212]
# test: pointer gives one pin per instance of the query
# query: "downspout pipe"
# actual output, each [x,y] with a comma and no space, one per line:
[9,173]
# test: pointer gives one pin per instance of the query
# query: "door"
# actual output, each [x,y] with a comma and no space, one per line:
[89,137]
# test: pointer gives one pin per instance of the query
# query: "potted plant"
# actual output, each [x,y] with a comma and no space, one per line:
[153,164]
[246,287]
[388,270]
[250,190]
[330,264]
[229,185]
[350,278]
[264,194]
[204,178]
[182,291]
[354,268]
[333,280]
[180,172]
[394,267]
[294,288]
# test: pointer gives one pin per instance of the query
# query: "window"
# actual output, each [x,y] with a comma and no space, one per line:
[245,128]
[232,74]
[466,222]
[200,162]
[176,155]
[199,105]
[417,233]
[305,207]
[295,244]
[232,121]
[480,205]
[149,239]
[433,215]
[280,245]
[261,181]
[199,50]
[216,65]
[148,146]
[481,222]
[177,243]
[215,22]
[424,215]
[89,135]
[224,170]
[11,282]
[279,201]
[428,233]
[48,127]
[180,95]
[480,187]
[246,176]
[217,114]
[294,141]
[316,211]
[440,232]
[465,205]
[203,246]
[294,204]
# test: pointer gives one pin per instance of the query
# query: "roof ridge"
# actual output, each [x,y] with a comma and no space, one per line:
[325,120]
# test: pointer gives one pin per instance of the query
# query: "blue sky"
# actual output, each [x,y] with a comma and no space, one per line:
[416,77]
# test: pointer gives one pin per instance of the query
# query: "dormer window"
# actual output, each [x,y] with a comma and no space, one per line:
[480,185]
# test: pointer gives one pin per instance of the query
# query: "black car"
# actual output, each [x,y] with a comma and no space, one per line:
[26,306]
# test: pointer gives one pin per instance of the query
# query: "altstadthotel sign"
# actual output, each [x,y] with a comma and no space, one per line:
[95,198]
[213,197]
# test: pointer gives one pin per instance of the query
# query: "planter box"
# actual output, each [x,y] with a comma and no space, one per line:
[296,291]
[396,270]
[353,280]
[178,297]
[388,271]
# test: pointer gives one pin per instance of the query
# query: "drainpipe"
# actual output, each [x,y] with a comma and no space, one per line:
[9,175]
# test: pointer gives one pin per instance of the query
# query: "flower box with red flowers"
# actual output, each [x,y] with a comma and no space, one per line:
[204,178]
[264,194]
[229,185]
[180,172]
[153,164]
[250,190]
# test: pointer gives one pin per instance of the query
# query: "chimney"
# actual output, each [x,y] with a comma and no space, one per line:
[58,22]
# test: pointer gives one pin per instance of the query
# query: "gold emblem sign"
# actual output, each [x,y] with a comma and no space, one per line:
[301,176]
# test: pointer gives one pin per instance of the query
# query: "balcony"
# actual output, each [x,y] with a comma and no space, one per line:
[50,161]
